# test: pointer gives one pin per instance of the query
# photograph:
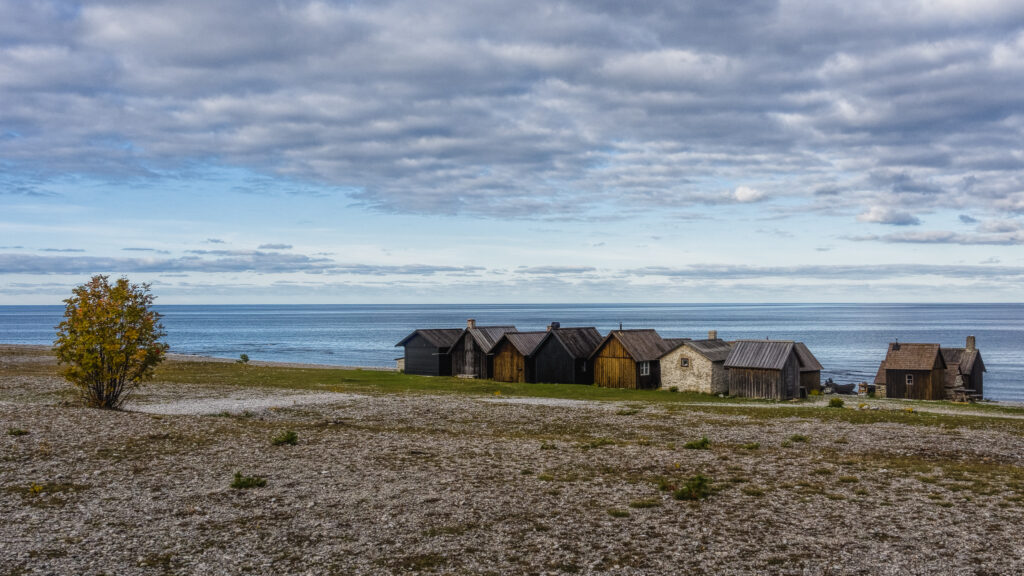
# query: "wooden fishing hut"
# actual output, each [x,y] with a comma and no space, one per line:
[426,351]
[629,359]
[561,355]
[512,360]
[471,351]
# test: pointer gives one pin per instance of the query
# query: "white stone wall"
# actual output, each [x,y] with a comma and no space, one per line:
[701,376]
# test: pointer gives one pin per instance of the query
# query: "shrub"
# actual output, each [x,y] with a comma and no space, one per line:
[751,446]
[243,359]
[835,403]
[696,488]
[798,438]
[108,342]
[242,482]
[645,503]
[16,432]
[673,388]
[617,513]
[286,437]
[814,392]
[702,444]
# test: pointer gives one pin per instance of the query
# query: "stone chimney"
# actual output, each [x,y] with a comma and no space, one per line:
[554,326]
[471,323]
[712,334]
[970,342]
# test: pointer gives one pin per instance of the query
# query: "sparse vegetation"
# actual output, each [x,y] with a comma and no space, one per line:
[16,432]
[244,482]
[289,437]
[751,446]
[696,488]
[618,513]
[835,403]
[243,359]
[702,444]
[645,503]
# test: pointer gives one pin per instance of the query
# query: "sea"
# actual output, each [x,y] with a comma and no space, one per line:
[849,340]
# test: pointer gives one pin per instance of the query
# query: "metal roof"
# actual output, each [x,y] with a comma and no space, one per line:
[439,337]
[759,354]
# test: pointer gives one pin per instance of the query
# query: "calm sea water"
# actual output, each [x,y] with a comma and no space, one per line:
[849,339]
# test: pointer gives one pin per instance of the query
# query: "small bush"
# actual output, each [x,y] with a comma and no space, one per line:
[835,403]
[243,359]
[696,488]
[751,446]
[645,503]
[243,482]
[673,388]
[814,393]
[618,513]
[16,432]
[287,437]
[798,438]
[702,444]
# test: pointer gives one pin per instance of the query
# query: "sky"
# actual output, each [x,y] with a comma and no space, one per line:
[470,152]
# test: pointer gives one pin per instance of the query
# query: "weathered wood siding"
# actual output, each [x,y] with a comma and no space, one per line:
[614,367]
[468,359]
[702,375]
[509,364]
[810,380]
[762,383]
[928,384]
[553,363]
[976,379]
[424,358]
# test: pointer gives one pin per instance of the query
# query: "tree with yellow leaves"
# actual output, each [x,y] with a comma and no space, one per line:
[109,340]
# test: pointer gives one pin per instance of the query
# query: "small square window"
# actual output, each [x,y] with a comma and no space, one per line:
[910,379]
[645,368]
[684,362]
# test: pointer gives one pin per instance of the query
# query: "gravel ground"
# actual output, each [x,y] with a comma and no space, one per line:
[396,484]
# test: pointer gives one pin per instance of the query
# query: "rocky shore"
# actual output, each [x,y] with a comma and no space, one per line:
[451,484]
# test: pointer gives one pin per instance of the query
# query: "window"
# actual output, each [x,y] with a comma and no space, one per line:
[645,368]
[910,379]
[684,362]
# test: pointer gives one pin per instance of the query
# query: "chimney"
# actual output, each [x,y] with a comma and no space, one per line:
[554,326]
[896,344]
[712,334]
[471,323]
[970,342]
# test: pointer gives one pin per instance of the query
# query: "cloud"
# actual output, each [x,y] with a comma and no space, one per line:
[275,247]
[62,250]
[214,241]
[945,237]
[555,270]
[967,219]
[705,272]
[743,194]
[884,215]
[516,108]
[141,249]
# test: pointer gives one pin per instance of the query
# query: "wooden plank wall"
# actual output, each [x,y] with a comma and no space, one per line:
[754,383]
[509,364]
[614,367]
[928,385]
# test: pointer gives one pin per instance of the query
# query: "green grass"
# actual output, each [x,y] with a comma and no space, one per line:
[702,444]
[286,437]
[16,432]
[243,482]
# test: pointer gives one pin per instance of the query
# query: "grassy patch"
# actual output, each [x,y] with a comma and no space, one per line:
[751,446]
[16,432]
[695,488]
[645,503]
[618,513]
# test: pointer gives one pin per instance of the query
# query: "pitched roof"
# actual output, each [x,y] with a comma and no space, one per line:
[716,350]
[963,360]
[642,345]
[760,354]
[487,336]
[673,343]
[439,337]
[524,342]
[917,357]
[579,342]
[880,376]
[808,363]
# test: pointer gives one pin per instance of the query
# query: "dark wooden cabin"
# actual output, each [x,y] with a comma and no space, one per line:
[810,369]
[965,364]
[765,369]
[629,359]
[915,371]
[426,351]
[512,360]
[562,354]
[471,351]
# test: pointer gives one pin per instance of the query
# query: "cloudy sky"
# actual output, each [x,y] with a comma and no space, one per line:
[420,151]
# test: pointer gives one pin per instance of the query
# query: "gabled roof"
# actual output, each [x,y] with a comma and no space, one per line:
[808,363]
[580,343]
[716,350]
[673,343]
[760,354]
[524,342]
[487,336]
[439,337]
[914,357]
[642,345]
[960,362]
